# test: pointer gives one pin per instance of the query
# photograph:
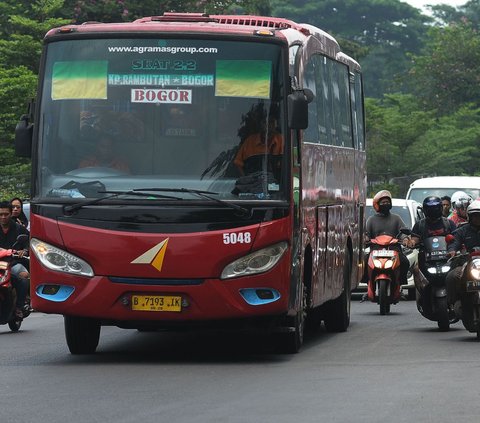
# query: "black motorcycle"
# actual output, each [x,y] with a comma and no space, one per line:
[467,308]
[432,292]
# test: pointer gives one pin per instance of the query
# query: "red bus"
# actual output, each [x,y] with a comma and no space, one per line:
[192,170]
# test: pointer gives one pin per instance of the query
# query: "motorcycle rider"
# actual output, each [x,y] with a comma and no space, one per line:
[8,236]
[433,224]
[466,237]
[460,202]
[446,205]
[386,223]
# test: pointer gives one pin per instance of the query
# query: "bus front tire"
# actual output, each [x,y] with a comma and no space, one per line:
[82,334]
[291,341]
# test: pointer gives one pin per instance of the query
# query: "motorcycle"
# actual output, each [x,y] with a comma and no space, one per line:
[384,271]
[8,294]
[467,308]
[431,296]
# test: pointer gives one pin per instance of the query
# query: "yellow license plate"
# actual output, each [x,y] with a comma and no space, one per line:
[156,303]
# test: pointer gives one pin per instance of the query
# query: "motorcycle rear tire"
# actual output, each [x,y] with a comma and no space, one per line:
[383,299]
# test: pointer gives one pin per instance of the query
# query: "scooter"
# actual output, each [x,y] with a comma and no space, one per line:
[431,290]
[468,307]
[384,272]
[8,294]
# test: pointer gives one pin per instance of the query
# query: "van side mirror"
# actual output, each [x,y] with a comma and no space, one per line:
[298,108]
[23,137]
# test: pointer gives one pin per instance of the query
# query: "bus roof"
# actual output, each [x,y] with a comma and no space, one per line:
[201,23]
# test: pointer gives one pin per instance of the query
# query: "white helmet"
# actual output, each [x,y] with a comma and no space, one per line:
[461,199]
[474,207]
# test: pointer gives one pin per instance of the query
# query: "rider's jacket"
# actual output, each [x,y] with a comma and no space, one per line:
[439,227]
[466,236]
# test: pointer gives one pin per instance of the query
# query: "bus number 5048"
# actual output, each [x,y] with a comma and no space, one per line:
[237,238]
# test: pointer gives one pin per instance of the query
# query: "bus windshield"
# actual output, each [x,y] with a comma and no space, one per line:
[182,114]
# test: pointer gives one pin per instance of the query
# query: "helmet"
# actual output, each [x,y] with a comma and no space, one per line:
[432,207]
[461,200]
[378,196]
[474,207]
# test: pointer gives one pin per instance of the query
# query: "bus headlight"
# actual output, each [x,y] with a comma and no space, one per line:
[54,258]
[257,262]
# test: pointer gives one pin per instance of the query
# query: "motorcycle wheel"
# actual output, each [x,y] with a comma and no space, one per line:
[14,325]
[443,319]
[383,297]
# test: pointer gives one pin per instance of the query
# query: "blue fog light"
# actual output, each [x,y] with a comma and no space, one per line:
[259,296]
[56,293]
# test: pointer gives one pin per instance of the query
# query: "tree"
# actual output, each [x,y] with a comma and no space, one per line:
[394,124]
[449,146]
[27,23]
[128,10]
[23,25]
[445,76]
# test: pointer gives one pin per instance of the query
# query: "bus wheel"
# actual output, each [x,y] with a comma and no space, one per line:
[291,341]
[82,334]
[337,311]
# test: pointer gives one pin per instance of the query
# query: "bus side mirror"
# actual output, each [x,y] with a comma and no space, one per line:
[23,137]
[298,108]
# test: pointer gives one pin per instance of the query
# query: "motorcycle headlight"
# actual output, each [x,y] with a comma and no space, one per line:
[432,270]
[445,269]
[54,258]
[257,262]
[389,264]
[475,269]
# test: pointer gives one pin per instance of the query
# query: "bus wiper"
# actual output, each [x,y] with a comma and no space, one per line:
[203,194]
[113,194]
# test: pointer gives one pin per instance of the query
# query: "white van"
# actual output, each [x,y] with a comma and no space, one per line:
[443,185]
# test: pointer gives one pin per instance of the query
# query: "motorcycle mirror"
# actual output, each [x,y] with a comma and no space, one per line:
[21,239]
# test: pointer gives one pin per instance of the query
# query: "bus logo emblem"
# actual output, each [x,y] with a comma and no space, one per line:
[154,256]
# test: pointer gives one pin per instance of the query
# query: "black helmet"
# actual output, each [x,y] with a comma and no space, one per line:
[432,207]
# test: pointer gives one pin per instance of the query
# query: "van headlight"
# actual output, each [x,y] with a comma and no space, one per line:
[54,258]
[257,262]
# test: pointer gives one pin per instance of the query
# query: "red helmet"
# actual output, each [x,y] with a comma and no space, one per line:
[378,196]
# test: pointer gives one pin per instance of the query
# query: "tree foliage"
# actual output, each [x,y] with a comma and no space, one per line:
[446,75]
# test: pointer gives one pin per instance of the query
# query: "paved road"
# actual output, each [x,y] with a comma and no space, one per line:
[395,368]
